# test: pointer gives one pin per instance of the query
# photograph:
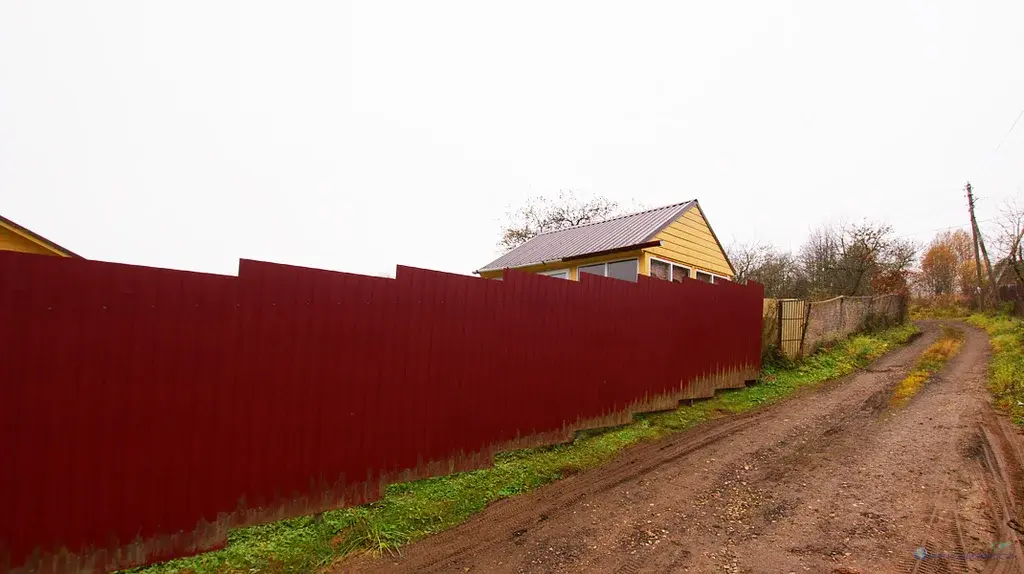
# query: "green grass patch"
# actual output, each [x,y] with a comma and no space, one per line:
[939,312]
[1006,365]
[415,509]
[931,361]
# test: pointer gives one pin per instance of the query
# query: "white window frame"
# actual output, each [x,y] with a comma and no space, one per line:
[552,272]
[670,264]
[714,276]
[604,264]
[708,273]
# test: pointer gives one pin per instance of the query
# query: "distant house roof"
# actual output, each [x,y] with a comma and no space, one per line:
[619,233]
[36,238]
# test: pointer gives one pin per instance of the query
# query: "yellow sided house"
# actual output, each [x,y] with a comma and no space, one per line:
[14,237]
[673,243]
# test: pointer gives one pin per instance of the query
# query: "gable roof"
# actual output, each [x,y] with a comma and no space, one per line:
[36,238]
[618,233]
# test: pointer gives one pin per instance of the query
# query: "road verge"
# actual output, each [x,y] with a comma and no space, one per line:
[1006,365]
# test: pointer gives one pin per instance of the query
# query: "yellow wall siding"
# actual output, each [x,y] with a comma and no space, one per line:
[689,241]
[573,265]
[11,241]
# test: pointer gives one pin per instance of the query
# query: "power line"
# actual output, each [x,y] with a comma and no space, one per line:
[984,165]
[945,228]
[1009,131]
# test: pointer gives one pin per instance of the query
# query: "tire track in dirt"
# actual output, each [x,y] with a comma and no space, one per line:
[828,481]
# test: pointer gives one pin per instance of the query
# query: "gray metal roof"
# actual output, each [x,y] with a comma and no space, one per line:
[615,233]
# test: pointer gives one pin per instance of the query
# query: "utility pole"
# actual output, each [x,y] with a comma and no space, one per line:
[974,233]
[992,285]
[979,243]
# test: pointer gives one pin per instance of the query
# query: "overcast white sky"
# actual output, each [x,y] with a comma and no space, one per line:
[357,136]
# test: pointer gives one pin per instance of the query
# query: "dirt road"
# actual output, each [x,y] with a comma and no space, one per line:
[830,481]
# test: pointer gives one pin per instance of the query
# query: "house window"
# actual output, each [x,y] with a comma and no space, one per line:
[705,277]
[661,270]
[679,273]
[669,271]
[557,274]
[626,270]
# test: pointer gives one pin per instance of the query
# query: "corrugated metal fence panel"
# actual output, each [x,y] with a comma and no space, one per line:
[145,411]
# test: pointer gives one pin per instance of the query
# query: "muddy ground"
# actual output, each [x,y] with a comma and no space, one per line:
[833,480]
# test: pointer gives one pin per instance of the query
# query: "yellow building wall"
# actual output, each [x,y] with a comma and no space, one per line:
[689,241]
[11,241]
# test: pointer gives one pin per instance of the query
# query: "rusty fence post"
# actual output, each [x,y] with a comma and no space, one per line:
[842,316]
[778,316]
[803,331]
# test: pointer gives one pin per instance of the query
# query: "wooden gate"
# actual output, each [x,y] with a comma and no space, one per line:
[792,315]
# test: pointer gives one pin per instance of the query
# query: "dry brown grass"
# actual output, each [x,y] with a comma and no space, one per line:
[930,362]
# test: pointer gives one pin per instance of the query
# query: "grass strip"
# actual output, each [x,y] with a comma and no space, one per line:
[412,510]
[938,312]
[1006,364]
[931,361]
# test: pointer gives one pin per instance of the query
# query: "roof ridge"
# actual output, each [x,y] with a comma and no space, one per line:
[624,215]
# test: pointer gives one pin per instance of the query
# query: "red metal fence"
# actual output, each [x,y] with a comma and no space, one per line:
[144,411]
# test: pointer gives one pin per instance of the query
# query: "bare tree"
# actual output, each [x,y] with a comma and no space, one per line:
[819,258]
[747,258]
[1009,238]
[541,214]
[776,270]
[856,259]
[870,254]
